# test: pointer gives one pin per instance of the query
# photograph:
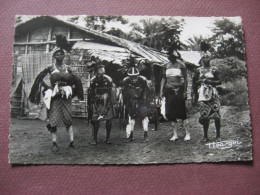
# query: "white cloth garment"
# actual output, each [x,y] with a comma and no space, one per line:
[172,72]
[163,108]
[67,90]
[206,92]
[51,93]
[47,98]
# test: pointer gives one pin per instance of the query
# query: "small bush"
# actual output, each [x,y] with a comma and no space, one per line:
[237,93]
[230,68]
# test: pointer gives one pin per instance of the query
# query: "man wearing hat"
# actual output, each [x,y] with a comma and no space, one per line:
[64,85]
[100,101]
[135,97]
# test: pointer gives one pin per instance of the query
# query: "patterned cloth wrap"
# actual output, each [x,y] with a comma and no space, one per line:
[101,98]
[59,112]
[136,97]
[208,97]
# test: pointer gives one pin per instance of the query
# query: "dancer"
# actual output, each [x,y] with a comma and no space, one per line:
[135,98]
[100,101]
[58,97]
[174,89]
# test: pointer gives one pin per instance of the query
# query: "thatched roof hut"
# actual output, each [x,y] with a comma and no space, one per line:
[41,30]
[35,40]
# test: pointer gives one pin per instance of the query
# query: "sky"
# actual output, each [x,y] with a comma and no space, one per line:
[194,26]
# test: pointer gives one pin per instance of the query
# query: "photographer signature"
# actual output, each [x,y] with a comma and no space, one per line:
[223,144]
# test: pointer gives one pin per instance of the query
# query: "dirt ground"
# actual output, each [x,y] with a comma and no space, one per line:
[30,143]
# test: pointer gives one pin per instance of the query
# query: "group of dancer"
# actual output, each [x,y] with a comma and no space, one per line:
[102,99]
[64,85]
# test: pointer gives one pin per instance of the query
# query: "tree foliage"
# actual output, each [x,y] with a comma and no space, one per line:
[74,19]
[159,34]
[118,33]
[100,21]
[228,39]
[193,43]
[231,68]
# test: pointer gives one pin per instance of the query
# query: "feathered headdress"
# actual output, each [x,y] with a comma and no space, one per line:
[205,47]
[62,43]
[173,53]
[206,55]
[132,62]
[94,63]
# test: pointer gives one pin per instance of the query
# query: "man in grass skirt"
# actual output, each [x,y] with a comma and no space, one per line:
[135,98]
[101,101]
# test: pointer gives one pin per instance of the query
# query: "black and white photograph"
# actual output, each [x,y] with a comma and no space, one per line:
[129,90]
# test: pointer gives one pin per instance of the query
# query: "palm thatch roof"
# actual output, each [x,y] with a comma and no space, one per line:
[140,50]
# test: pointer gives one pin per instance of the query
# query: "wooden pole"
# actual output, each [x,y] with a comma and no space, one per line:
[49,39]
[27,41]
[69,34]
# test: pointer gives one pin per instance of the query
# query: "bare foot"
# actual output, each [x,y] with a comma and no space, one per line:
[108,142]
[218,139]
[129,140]
[55,148]
[187,137]
[174,138]
[94,142]
[204,140]
[72,145]
[145,140]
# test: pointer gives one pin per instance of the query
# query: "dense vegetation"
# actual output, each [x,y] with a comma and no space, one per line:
[226,46]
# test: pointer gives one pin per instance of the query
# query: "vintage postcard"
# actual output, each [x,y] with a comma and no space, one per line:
[129,90]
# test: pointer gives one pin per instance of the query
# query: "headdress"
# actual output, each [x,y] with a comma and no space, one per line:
[56,49]
[96,63]
[99,64]
[204,46]
[132,66]
[133,71]
[205,54]
[61,44]
[173,51]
